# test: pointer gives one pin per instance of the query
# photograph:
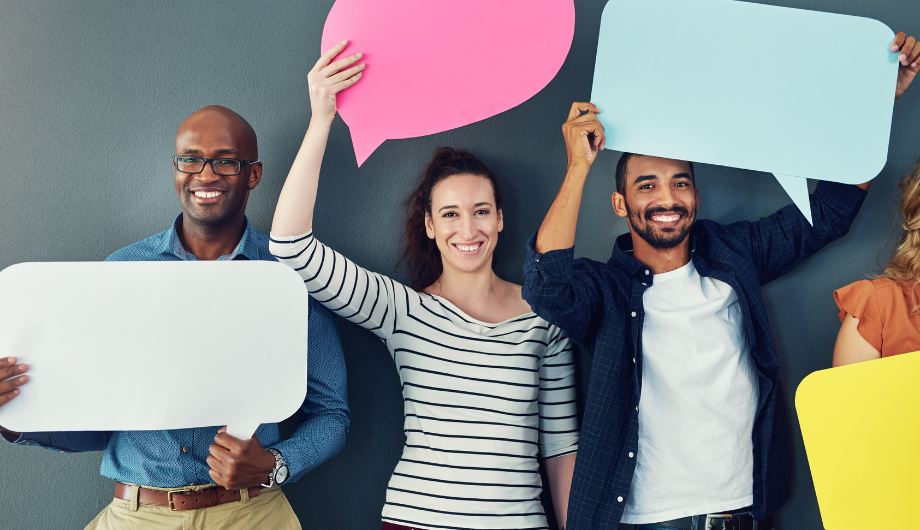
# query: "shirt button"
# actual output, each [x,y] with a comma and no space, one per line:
[633,313]
[646,273]
[185,450]
[631,455]
[637,409]
[645,284]
[634,360]
[619,499]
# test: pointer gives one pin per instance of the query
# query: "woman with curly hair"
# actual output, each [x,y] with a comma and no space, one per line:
[488,386]
[881,317]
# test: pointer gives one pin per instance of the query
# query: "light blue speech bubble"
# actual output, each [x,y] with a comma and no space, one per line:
[800,94]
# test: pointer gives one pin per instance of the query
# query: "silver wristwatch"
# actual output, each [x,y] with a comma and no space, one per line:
[279,473]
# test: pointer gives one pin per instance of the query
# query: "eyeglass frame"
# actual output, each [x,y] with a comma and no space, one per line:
[211,160]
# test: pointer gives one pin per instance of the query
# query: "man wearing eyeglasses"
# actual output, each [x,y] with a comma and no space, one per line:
[204,478]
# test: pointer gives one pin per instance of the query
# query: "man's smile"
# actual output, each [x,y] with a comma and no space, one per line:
[207,195]
[667,219]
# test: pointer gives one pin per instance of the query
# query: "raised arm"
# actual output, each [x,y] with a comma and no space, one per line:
[556,290]
[294,213]
[367,299]
[558,228]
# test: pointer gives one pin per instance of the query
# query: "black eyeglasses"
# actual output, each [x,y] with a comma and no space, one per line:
[220,166]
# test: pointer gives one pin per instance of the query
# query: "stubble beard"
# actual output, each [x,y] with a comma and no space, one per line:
[663,239]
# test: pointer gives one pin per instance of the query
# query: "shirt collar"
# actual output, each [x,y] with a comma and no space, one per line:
[246,248]
[622,257]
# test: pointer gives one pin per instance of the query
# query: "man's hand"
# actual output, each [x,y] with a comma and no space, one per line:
[326,80]
[11,379]
[909,59]
[238,464]
[580,148]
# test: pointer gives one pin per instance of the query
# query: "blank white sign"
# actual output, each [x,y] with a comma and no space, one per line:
[154,345]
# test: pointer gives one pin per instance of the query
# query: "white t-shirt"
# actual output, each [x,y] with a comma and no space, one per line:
[698,402]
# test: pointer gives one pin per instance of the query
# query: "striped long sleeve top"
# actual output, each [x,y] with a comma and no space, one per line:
[483,401]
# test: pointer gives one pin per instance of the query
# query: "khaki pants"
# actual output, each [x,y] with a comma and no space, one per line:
[270,510]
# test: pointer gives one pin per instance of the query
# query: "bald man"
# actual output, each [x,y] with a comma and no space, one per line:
[204,478]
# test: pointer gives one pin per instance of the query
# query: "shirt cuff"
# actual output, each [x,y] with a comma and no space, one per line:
[845,199]
[555,265]
[34,438]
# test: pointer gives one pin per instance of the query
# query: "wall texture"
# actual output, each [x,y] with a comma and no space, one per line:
[91,93]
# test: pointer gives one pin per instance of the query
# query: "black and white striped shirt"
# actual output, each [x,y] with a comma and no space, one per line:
[482,401]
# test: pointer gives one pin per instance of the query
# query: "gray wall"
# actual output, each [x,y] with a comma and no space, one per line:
[91,93]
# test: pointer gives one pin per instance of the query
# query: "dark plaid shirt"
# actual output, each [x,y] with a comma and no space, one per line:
[599,306]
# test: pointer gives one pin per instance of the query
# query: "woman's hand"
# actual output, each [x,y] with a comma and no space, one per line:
[908,61]
[326,80]
[294,211]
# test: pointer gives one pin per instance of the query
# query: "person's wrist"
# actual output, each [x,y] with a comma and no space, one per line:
[268,461]
[321,120]
[578,168]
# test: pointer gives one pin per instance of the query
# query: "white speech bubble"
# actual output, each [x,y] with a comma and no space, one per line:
[800,94]
[117,346]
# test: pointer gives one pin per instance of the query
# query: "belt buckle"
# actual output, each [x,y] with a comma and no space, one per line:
[169,497]
[725,522]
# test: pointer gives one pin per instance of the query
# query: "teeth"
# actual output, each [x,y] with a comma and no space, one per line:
[207,194]
[469,248]
[665,218]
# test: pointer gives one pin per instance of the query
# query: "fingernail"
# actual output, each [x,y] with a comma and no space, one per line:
[10,359]
[24,379]
[358,74]
[16,392]
[344,41]
[902,57]
[362,65]
[359,55]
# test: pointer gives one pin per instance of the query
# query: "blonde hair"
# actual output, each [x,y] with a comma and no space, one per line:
[904,266]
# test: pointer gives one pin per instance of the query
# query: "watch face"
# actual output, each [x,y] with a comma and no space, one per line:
[281,475]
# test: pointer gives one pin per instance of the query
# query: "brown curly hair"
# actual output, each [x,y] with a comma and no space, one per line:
[904,266]
[421,254]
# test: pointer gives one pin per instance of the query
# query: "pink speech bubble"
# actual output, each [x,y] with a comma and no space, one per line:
[434,65]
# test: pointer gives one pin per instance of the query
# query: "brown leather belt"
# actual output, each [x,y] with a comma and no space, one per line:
[182,499]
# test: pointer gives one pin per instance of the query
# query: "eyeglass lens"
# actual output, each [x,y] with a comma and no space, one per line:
[221,166]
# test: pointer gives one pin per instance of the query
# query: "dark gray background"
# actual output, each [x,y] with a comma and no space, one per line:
[91,93]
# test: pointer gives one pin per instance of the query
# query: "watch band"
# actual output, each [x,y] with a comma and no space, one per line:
[279,473]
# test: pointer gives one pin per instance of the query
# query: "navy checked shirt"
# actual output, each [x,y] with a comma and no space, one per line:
[599,306]
[176,458]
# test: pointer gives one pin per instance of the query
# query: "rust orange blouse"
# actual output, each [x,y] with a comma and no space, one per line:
[883,309]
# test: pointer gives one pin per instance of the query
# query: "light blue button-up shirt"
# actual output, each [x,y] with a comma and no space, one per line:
[176,458]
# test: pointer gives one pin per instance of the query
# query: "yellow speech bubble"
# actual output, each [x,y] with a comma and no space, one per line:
[861,425]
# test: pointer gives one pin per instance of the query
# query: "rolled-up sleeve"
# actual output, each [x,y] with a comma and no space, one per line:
[781,241]
[562,291]
[324,415]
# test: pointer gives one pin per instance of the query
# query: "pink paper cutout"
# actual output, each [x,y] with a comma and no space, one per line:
[434,65]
